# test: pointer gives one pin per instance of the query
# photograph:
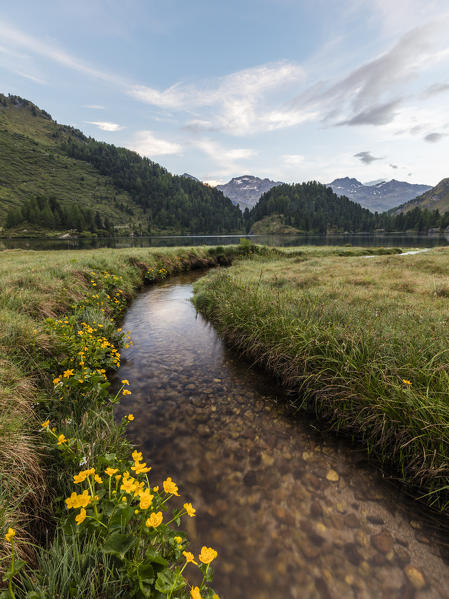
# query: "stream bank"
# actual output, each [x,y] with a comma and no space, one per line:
[291,512]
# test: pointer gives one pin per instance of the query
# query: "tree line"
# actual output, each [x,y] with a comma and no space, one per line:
[49,213]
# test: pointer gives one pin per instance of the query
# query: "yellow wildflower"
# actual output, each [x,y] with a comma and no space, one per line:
[126,392]
[84,499]
[81,516]
[56,380]
[178,540]
[68,373]
[125,382]
[154,520]
[207,555]
[190,509]
[98,479]
[146,499]
[62,439]
[406,382]
[195,593]
[45,424]
[128,485]
[156,489]
[72,501]
[130,417]
[136,455]
[111,471]
[190,559]
[10,534]
[140,468]
[170,487]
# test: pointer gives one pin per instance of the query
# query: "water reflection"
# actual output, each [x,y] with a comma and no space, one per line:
[361,239]
[292,514]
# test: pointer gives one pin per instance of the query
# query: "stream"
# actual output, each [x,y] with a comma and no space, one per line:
[293,513]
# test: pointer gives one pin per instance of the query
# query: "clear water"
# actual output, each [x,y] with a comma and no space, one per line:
[365,240]
[292,512]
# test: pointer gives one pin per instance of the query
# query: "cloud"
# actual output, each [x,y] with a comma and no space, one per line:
[394,166]
[17,38]
[146,143]
[105,126]
[228,159]
[371,93]
[366,157]
[375,115]
[94,106]
[292,160]
[434,137]
[436,88]
[235,103]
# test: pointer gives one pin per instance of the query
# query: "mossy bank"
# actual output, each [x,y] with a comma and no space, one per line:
[361,342]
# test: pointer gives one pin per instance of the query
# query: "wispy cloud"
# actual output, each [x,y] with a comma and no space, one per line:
[146,143]
[235,103]
[18,39]
[94,106]
[372,93]
[227,159]
[435,89]
[105,126]
[366,157]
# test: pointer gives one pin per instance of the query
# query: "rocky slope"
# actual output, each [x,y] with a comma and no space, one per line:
[380,196]
[246,190]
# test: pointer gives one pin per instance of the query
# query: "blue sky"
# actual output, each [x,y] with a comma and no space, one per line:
[286,89]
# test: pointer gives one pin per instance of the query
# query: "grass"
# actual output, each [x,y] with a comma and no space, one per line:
[36,286]
[348,335]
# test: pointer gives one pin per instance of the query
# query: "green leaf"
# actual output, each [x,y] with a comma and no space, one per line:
[121,517]
[155,558]
[167,581]
[145,575]
[118,544]
[145,572]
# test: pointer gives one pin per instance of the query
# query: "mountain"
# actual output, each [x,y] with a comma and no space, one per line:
[377,196]
[54,177]
[190,177]
[437,198]
[309,207]
[246,190]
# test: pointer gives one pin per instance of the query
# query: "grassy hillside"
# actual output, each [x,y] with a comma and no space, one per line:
[32,161]
[41,157]
[436,198]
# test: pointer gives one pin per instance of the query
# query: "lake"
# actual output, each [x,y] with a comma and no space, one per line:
[360,239]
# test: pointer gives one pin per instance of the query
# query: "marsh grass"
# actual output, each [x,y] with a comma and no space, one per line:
[348,335]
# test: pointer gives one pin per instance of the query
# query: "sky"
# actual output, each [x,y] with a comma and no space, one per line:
[286,89]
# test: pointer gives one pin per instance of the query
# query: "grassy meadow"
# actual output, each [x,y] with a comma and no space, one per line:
[361,341]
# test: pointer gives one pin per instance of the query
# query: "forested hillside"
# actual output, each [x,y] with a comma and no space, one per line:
[54,177]
[313,207]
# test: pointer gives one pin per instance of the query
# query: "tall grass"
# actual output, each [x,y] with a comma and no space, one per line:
[363,343]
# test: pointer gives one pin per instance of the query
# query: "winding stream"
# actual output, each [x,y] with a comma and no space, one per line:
[293,513]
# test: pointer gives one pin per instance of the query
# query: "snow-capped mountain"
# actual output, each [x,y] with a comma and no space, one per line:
[246,190]
[377,196]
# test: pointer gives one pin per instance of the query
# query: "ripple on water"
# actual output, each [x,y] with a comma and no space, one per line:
[291,513]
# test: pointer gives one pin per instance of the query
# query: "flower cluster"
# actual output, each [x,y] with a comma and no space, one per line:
[129,515]
[156,274]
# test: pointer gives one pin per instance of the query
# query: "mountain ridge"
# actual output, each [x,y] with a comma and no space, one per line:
[245,191]
[378,196]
